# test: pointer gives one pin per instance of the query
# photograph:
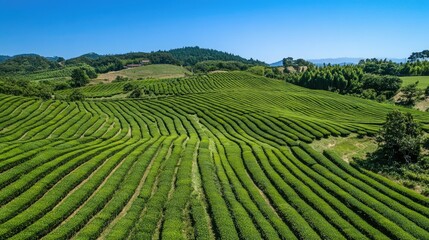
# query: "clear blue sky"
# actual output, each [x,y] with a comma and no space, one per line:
[267,30]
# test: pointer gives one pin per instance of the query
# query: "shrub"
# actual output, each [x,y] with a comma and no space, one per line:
[129,87]
[136,93]
[76,95]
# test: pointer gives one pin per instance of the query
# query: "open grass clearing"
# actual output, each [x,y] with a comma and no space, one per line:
[161,71]
[347,147]
[423,81]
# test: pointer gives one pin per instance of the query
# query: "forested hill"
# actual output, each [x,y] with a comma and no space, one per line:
[26,64]
[4,58]
[192,55]
[187,56]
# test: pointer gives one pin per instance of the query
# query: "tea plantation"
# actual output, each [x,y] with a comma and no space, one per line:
[218,156]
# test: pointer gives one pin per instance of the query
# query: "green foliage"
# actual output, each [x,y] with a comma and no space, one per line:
[107,63]
[136,93]
[190,56]
[129,87]
[400,138]
[27,64]
[257,70]
[101,65]
[90,72]
[121,79]
[76,95]
[79,78]
[295,63]
[26,88]
[209,66]
[409,95]
[427,91]
[347,80]
[216,156]
[380,67]
[416,56]
[381,84]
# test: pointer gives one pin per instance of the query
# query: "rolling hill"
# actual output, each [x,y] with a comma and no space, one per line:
[218,156]
[159,71]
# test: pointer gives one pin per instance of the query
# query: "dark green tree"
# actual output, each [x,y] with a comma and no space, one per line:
[76,95]
[427,91]
[90,71]
[129,87]
[409,95]
[136,93]
[400,138]
[79,78]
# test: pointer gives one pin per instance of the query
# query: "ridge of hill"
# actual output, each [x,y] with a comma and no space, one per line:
[3,58]
[27,63]
[192,55]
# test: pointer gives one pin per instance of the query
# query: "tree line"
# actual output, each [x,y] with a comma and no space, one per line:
[347,80]
[376,79]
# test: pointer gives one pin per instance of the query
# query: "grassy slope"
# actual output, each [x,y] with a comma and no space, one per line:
[347,147]
[219,152]
[423,81]
[150,71]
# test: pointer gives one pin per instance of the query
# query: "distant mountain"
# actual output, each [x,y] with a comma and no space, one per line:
[92,55]
[53,59]
[339,61]
[277,64]
[27,63]
[3,58]
[346,61]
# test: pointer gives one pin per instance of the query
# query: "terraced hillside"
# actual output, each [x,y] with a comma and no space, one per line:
[219,156]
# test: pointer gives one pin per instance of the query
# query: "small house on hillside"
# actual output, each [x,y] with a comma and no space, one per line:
[133,65]
[142,63]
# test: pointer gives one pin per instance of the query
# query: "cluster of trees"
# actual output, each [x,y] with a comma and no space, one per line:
[261,70]
[371,78]
[379,66]
[295,64]
[418,68]
[385,67]
[266,71]
[347,80]
[100,64]
[135,91]
[81,76]
[43,90]
[211,65]
[416,56]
